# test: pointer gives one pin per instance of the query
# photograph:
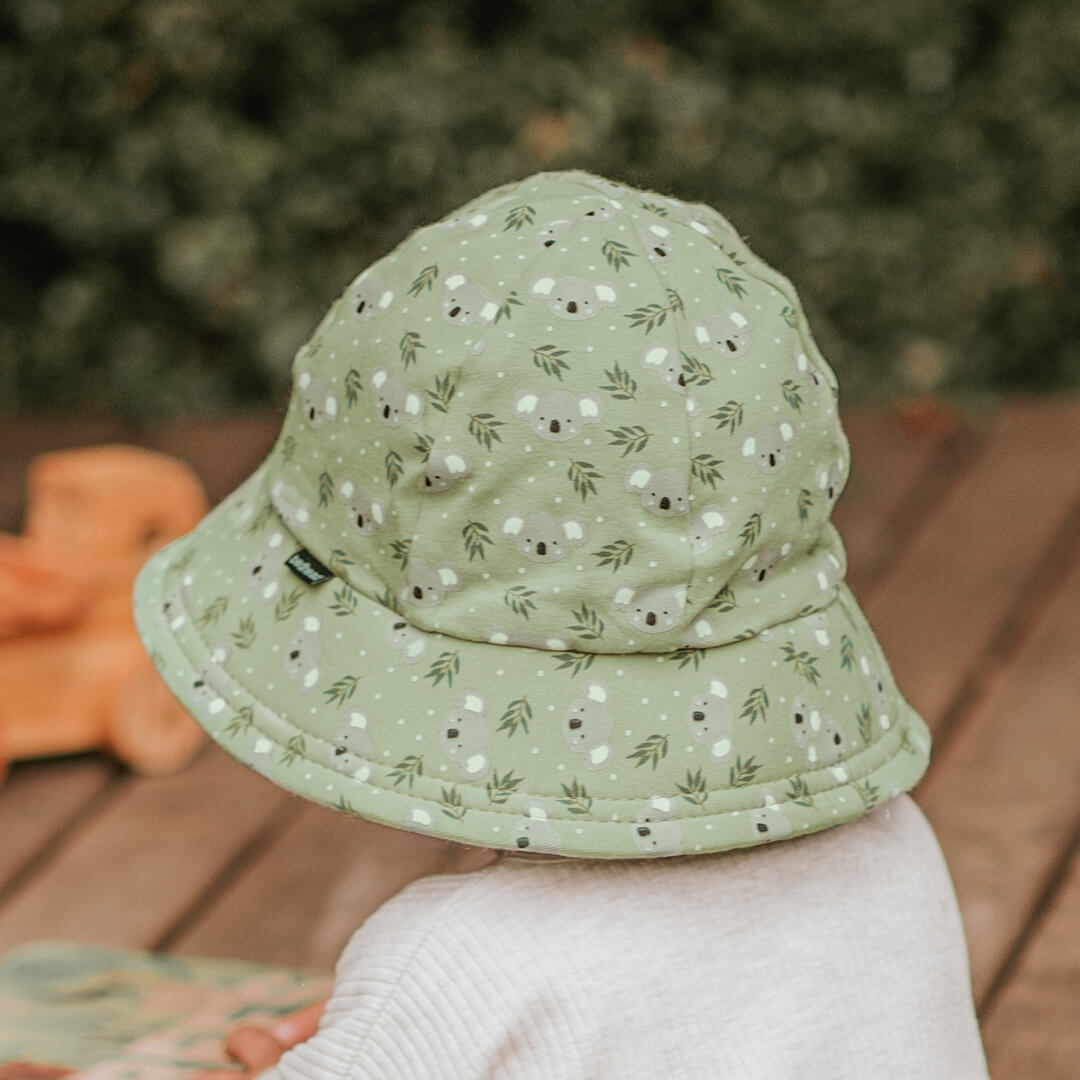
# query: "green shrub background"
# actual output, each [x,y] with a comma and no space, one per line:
[185,186]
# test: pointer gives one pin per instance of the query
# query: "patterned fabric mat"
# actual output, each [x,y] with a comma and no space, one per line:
[128,1014]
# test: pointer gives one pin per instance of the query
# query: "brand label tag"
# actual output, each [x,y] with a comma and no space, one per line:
[306,567]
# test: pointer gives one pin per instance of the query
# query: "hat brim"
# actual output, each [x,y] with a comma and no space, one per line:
[369,732]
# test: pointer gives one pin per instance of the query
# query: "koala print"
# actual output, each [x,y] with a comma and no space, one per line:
[465,302]
[830,571]
[610,188]
[261,757]
[658,240]
[429,583]
[879,698]
[265,569]
[557,415]
[711,719]
[554,231]
[653,609]
[818,625]
[587,726]
[810,372]
[830,479]
[534,832]
[418,816]
[765,448]
[759,567]
[770,822]
[369,296]
[464,737]
[528,639]
[543,537]
[654,831]
[664,492]
[303,653]
[665,361]
[412,642]
[318,403]
[573,297]
[286,500]
[728,333]
[707,523]
[351,751]
[818,734]
[603,211]
[474,220]
[394,401]
[172,613]
[444,470]
[700,634]
[206,697]
[366,514]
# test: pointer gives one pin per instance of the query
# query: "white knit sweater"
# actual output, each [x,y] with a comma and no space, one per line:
[838,955]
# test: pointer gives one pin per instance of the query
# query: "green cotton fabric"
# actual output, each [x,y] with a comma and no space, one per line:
[568,459]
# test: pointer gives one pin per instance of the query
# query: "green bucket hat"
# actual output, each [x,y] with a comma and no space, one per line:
[541,558]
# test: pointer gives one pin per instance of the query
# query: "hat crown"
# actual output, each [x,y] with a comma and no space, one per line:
[574,416]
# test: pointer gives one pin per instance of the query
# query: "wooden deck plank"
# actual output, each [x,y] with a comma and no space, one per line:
[889,461]
[138,865]
[1032,1029]
[943,601]
[1004,795]
[38,800]
[326,872]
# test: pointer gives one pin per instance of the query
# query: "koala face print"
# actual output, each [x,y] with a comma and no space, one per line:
[172,613]
[653,830]
[658,241]
[587,726]
[665,361]
[769,822]
[319,405]
[830,479]
[444,470]
[534,831]
[811,373]
[708,523]
[465,302]
[765,448]
[818,625]
[261,757]
[369,296]
[303,653]
[710,720]
[760,566]
[729,334]
[287,502]
[611,188]
[817,733]
[879,698]
[557,415]
[350,752]
[553,231]
[394,401]
[573,297]
[265,569]
[464,737]
[528,639]
[664,492]
[412,642]
[700,634]
[207,699]
[653,609]
[428,583]
[604,210]
[365,513]
[543,537]
[474,220]
[829,571]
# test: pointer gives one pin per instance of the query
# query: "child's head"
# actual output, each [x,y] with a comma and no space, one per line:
[541,560]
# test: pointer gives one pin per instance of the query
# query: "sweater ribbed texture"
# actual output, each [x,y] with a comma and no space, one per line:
[839,955]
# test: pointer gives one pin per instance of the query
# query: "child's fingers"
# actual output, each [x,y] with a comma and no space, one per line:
[298,1026]
[254,1047]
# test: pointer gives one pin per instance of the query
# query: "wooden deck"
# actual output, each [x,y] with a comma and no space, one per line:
[964,542]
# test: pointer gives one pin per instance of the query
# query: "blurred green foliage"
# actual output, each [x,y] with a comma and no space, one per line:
[185,186]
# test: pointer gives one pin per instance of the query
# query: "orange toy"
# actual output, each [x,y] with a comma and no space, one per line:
[73,673]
